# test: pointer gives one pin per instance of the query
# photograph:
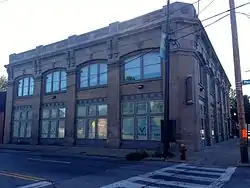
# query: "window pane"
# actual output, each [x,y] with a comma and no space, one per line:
[127,128]
[127,108]
[141,128]
[103,77]
[62,112]
[29,114]
[25,91]
[22,129]
[61,129]
[91,130]
[31,86]
[81,111]
[133,62]
[28,129]
[53,128]
[155,125]
[84,77]
[151,58]
[141,108]
[102,109]
[81,128]
[45,113]
[92,110]
[56,76]
[93,75]
[23,115]
[56,86]
[156,106]
[53,113]
[45,129]
[20,88]
[15,131]
[93,80]
[63,85]
[17,115]
[132,74]
[26,82]
[48,83]
[102,128]
[152,71]
[63,76]
[94,69]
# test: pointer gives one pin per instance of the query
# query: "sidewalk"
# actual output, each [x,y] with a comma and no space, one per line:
[226,153]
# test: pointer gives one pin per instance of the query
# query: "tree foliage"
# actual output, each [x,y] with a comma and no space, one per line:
[233,106]
[3,83]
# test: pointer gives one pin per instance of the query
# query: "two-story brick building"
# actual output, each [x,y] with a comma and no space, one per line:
[105,88]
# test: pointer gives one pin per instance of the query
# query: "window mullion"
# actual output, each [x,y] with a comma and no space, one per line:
[88,78]
[141,68]
[98,74]
[22,87]
[60,77]
[52,80]
[29,86]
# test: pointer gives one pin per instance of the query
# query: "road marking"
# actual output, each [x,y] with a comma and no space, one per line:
[183,175]
[37,185]
[49,161]
[20,176]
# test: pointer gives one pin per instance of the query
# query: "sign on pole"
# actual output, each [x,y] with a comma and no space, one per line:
[245,82]
[163,46]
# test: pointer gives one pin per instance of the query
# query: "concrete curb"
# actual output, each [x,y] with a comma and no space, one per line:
[239,164]
[168,160]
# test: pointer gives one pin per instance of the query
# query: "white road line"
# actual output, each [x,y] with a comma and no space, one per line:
[187,177]
[195,171]
[49,161]
[37,185]
[171,183]
[204,168]
[225,177]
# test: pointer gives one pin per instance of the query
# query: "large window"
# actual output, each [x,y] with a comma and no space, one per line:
[53,122]
[56,81]
[142,66]
[25,87]
[22,123]
[142,120]
[93,75]
[92,121]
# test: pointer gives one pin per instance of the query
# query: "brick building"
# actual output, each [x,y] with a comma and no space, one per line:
[105,88]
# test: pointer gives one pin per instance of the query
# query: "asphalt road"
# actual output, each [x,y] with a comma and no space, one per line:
[18,168]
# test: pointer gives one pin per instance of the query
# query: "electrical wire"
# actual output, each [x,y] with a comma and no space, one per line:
[206,7]
[245,14]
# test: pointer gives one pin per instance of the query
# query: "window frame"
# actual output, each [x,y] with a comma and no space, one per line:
[58,118]
[87,119]
[60,70]
[88,64]
[30,77]
[141,55]
[148,114]
[26,120]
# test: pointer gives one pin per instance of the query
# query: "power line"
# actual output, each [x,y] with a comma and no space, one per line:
[216,15]
[206,7]
[245,14]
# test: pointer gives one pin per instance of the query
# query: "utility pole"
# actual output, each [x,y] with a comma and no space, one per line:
[166,82]
[238,83]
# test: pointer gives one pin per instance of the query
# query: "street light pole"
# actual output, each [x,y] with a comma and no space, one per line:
[166,82]
[238,83]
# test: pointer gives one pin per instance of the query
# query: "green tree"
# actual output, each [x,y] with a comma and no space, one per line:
[3,83]
[233,106]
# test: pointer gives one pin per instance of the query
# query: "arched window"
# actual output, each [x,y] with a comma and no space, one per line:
[142,66]
[56,81]
[93,75]
[25,87]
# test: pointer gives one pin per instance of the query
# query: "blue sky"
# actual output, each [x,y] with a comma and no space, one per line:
[26,24]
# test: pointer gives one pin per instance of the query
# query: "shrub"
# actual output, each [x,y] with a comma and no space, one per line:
[136,156]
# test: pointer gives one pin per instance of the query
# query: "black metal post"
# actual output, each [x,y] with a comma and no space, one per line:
[166,82]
